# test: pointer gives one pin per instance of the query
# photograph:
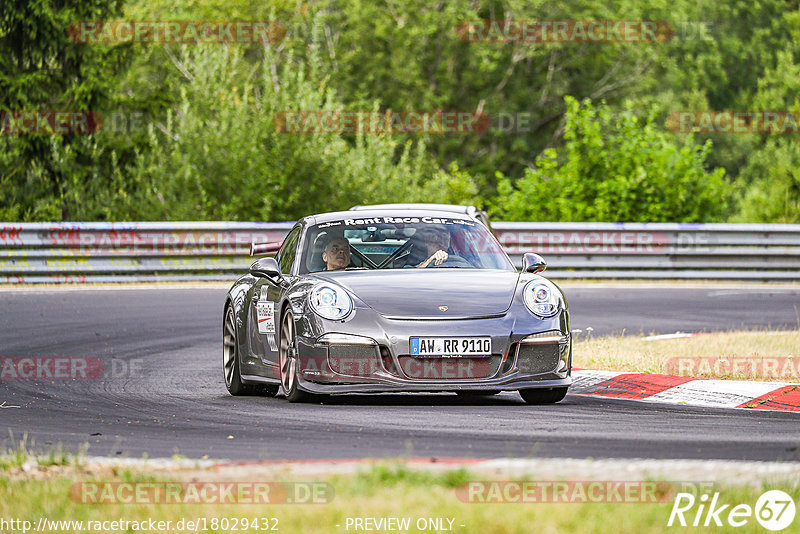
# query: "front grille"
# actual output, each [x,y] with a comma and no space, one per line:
[449,368]
[353,360]
[537,359]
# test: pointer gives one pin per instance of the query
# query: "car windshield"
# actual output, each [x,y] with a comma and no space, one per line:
[401,243]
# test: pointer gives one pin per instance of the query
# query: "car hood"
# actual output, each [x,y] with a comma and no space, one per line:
[421,293]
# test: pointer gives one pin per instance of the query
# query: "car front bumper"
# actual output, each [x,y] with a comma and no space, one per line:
[390,384]
[525,355]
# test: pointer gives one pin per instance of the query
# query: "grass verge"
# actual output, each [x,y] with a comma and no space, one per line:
[737,355]
[431,501]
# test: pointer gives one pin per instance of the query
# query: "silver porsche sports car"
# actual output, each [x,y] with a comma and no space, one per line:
[398,300]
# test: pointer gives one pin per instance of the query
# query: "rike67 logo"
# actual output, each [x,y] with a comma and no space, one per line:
[774,510]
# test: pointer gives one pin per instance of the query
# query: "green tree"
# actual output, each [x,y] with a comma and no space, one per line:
[43,175]
[408,55]
[210,151]
[769,182]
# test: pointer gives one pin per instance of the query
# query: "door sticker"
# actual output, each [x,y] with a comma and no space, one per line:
[265,312]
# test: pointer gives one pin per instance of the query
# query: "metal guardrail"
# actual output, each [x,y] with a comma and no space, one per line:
[144,251]
[658,250]
[147,251]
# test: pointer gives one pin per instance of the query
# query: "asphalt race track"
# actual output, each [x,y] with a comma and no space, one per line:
[162,390]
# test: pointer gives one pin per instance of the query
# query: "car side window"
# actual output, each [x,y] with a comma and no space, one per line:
[287,253]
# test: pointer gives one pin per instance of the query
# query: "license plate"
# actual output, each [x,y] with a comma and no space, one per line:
[451,346]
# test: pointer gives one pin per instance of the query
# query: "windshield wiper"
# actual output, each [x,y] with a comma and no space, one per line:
[356,269]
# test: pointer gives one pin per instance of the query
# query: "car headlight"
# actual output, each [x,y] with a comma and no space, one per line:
[542,298]
[331,302]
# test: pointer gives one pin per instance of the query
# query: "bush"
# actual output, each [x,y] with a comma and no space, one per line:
[773,195]
[613,168]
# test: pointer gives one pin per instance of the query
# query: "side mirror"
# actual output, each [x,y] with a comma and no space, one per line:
[266,268]
[533,263]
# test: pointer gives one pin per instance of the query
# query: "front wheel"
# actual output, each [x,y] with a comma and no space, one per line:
[543,396]
[290,361]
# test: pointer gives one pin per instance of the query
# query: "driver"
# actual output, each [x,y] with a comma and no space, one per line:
[436,241]
[336,254]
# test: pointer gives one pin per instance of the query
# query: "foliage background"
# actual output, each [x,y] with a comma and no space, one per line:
[189,131]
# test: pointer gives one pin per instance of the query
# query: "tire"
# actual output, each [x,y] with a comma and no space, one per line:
[477,393]
[543,396]
[289,361]
[230,363]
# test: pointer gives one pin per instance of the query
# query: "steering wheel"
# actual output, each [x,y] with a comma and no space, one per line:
[453,260]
